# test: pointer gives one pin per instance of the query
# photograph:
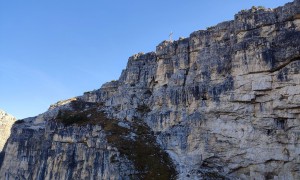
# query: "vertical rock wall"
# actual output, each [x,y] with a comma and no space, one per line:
[223,103]
[6,122]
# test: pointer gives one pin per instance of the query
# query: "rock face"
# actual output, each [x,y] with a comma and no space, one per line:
[76,139]
[6,122]
[223,103]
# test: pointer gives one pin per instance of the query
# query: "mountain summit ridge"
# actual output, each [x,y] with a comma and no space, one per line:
[220,104]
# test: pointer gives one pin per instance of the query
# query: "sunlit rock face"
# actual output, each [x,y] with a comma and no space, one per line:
[222,103]
[6,122]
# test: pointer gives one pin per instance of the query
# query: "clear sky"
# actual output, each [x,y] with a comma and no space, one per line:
[52,50]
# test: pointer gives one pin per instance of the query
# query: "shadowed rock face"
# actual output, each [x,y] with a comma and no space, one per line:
[6,122]
[78,140]
[223,103]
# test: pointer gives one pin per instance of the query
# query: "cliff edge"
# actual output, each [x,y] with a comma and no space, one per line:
[6,122]
[223,103]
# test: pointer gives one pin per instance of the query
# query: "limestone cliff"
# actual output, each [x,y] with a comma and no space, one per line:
[223,103]
[6,122]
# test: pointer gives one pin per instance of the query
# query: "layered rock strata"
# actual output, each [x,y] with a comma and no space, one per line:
[223,103]
[6,122]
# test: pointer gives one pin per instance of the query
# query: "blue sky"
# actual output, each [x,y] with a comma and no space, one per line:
[57,49]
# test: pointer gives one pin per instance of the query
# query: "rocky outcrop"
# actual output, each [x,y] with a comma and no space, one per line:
[6,122]
[223,103]
[77,140]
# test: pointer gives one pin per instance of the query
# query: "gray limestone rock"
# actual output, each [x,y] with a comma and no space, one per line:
[6,122]
[223,103]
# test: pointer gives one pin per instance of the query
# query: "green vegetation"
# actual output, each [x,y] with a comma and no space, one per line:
[146,155]
[142,150]
[254,8]
[69,118]
[19,121]
[209,28]
[78,115]
[261,7]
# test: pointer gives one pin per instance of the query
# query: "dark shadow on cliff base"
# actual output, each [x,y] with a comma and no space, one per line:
[2,153]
